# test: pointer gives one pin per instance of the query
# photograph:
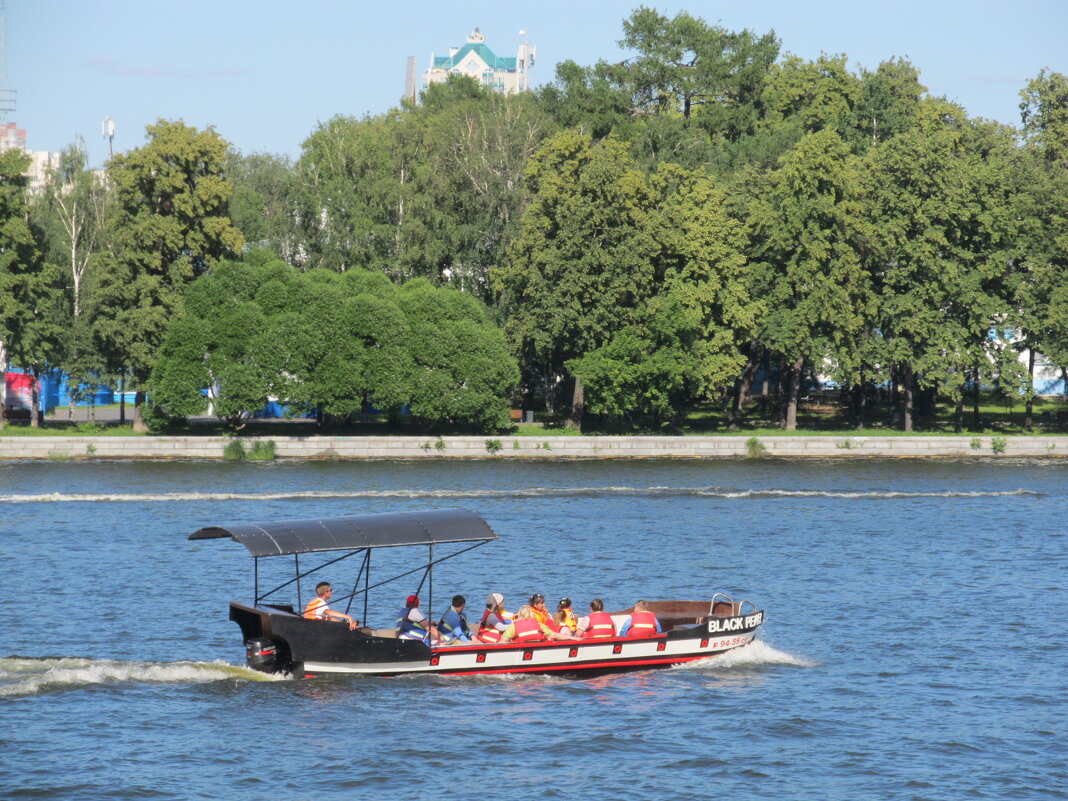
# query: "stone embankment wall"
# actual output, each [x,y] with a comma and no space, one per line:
[531,447]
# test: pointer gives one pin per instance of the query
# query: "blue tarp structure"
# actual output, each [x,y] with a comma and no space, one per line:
[55,391]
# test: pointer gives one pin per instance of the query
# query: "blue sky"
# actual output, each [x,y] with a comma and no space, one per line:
[265,73]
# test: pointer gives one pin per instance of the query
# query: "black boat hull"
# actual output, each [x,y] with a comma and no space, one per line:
[279,641]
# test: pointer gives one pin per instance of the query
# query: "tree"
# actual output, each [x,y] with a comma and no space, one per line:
[587,98]
[30,288]
[687,339]
[462,369]
[72,211]
[937,202]
[807,225]
[431,191]
[170,225]
[582,263]
[266,203]
[339,345]
[811,95]
[357,180]
[686,66]
[1040,282]
[889,103]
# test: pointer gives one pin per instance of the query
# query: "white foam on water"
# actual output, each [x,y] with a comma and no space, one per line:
[532,492]
[754,654]
[22,676]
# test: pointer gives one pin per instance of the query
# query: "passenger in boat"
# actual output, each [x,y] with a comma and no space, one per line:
[318,609]
[641,623]
[413,624]
[537,606]
[598,623]
[495,619]
[527,628]
[565,617]
[453,624]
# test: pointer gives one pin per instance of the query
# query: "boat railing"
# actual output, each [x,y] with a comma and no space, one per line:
[724,599]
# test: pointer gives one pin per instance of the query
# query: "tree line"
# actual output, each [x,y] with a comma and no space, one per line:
[631,239]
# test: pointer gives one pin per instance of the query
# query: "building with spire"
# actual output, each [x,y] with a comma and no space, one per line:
[476,60]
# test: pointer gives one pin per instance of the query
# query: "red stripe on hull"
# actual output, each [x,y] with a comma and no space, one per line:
[573,668]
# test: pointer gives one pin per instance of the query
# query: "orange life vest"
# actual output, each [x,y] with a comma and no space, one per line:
[311,611]
[601,625]
[543,617]
[642,624]
[570,621]
[528,630]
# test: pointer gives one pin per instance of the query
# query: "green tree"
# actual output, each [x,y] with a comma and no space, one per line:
[686,66]
[267,202]
[889,103]
[72,211]
[811,95]
[356,175]
[338,345]
[30,288]
[430,191]
[582,263]
[462,369]
[937,200]
[1040,282]
[169,226]
[807,226]
[587,98]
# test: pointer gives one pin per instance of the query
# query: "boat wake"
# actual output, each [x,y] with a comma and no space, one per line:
[755,654]
[22,676]
[532,492]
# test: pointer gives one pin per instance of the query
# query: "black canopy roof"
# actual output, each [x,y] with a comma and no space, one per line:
[428,527]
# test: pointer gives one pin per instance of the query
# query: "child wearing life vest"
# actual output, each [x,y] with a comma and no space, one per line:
[526,628]
[565,618]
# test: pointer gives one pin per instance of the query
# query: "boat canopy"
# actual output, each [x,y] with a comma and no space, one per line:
[430,527]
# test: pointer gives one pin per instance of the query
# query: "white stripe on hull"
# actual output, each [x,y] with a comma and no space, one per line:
[498,660]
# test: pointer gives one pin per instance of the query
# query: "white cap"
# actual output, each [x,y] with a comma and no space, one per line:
[494,599]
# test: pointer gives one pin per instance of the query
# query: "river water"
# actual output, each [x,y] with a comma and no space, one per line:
[916,644]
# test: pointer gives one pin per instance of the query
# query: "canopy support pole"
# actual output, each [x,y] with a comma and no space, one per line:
[356,585]
[296,562]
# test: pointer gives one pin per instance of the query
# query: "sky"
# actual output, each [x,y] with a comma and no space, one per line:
[265,74]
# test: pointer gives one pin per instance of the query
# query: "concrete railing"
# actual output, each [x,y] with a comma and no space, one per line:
[548,447]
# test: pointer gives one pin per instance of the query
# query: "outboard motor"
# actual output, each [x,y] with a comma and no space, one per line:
[262,654]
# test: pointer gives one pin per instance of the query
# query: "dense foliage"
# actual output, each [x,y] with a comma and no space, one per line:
[648,235]
[338,345]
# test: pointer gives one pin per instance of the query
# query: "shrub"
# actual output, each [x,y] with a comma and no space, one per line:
[493,445]
[997,444]
[755,448]
[262,450]
[235,451]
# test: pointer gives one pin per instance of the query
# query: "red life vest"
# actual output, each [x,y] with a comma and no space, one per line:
[642,624]
[528,630]
[487,633]
[601,626]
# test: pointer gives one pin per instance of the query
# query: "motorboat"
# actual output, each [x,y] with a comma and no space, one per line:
[279,639]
